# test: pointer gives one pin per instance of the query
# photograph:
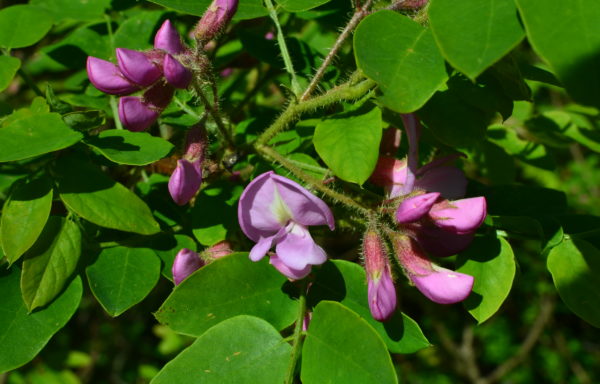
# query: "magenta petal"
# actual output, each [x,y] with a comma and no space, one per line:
[297,249]
[186,262]
[107,77]
[460,216]
[391,174]
[185,181]
[444,286]
[294,274]
[175,73]
[167,38]
[137,67]
[449,181]
[135,115]
[382,296]
[413,208]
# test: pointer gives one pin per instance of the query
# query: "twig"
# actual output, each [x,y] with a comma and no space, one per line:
[360,13]
[297,344]
[214,113]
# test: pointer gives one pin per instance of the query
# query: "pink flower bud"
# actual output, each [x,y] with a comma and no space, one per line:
[185,181]
[137,67]
[216,251]
[381,290]
[438,284]
[196,142]
[168,39]
[414,208]
[175,73]
[108,78]
[135,114]
[186,262]
[215,19]
[460,216]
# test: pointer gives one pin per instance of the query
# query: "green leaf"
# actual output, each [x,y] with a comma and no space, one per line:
[91,194]
[229,286]
[340,347]
[300,5]
[241,350]
[138,31]
[346,282]
[49,264]
[566,35]
[575,265]
[23,25]
[167,246]
[131,148]
[349,143]
[8,69]
[491,262]
[122,277]
[488,29]
[247,9]
[83,10]
[402,57]
[23,335]
[35,134]
[214,213]
[24,215]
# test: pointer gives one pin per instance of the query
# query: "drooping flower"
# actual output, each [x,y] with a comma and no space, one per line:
[186,179]
[381,290]
[440,285]
[275,211]
[156,72]
[186,262]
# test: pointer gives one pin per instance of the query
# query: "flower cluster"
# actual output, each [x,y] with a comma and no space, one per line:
[156,72]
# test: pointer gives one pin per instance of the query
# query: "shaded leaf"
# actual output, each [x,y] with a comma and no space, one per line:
[8,69]
[132,148]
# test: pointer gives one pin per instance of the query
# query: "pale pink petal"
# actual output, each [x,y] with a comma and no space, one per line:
[444,286]
[414,208]
[294,274]
[297,249]
[460,216]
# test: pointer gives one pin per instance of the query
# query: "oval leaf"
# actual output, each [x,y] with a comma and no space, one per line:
[492,262]
[300,5]
[228,287]
[566,35]
[34,135]
[23,25]
[247,9]
[87,190]
[402,57]
[84,10]
[345,282]
[349,143]
[122,277]
[50,262]
[243,349]
[340,347]
[575,266]
[24,215]
[8,69]
[132,148]
[488,29]
[22,335]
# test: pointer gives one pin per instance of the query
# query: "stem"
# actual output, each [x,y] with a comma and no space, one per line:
[360,13]
[115,110]
[313,182]
[186,108]
[215,115]
[344,92]
[30,82]
[287,60]
[296,345]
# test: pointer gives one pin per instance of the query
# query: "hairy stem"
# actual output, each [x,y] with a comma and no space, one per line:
[287,60]
[297,344]
[214,113]
[360,13]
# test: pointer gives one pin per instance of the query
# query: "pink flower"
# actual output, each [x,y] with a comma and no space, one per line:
[381,290]
[186,262]
[276,212]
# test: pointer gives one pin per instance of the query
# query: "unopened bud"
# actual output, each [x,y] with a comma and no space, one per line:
[215,19]
[381,290]
[185,181]
[216,251]
[135,114]
[137,67]
[168,39]
[186,262]
[175,73]
[108,78]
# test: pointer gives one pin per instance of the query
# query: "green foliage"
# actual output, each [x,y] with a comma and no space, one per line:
[16,26]
[8,68]
[247,9]
[300,5]
[131,148]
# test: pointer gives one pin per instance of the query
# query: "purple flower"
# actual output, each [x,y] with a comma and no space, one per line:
[381,290]
[186,262]
[186,179]
[215,19]
[438,284]
[459,216]
[414,208]
[168,40]
[276,212]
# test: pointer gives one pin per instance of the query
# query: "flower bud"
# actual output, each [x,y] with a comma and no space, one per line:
[135,114]
[438,284]
[186,262]
[413,208]
[185,181]
[168,39]
[196,142]
[216,251]
[175,73]
[215,19]
[381,290]
[137,67]
[460,216]
[108,78]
